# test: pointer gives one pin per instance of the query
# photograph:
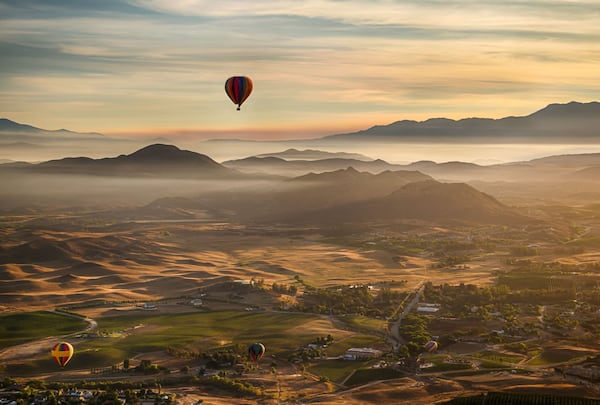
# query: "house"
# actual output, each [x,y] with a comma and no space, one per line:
[428,308]
[361,353]
[149,306]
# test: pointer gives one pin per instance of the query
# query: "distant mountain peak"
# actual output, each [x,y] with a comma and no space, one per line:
[578,121]
[162,154]
[156,150]
[8,125]
[158,160]
[313,154]
[573,109]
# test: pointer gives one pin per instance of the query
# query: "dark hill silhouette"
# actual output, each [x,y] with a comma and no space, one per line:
[426,200]
[313,154]
[573,121]
[567,161]
[298,167]
[351,184]
[302,194]
[330,189]
[9,126]
[157,160]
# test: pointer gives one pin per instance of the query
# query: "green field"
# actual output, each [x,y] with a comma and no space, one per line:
[339,347]
[24,327]
[127,336]
[279,332]
[335,370]
[556,355]
[499,357]
[366,375]
[364,323]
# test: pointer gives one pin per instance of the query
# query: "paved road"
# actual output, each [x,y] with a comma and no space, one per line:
[396,339]
[42,345]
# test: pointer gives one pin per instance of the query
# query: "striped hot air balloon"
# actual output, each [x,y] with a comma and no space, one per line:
[238,88]
[431,346]
[62,353]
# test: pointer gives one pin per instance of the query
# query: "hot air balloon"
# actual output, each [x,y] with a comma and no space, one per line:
[256,351]
[431,346]
[62,353]
[238,88]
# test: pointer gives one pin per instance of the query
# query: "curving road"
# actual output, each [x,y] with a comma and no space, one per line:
[394,327]
[42,345]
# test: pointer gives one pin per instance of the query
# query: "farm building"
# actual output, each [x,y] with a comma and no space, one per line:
[361,353]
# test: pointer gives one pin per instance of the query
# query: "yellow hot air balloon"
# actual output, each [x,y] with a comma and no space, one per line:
[62,353]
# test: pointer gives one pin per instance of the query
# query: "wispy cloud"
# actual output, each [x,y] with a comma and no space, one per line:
[161,63]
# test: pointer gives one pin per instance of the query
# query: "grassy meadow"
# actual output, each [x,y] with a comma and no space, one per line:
[23,327]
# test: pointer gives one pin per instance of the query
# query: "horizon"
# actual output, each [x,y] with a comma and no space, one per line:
[149,67]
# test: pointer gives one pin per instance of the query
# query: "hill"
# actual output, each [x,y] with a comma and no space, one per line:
[280,166]
[8,127]
[577,120]
[313,154]
[425,200]
[156,160]
[302,194]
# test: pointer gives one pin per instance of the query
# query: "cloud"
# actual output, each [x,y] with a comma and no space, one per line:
[162,63]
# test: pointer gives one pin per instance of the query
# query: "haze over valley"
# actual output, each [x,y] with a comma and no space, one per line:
[161,230]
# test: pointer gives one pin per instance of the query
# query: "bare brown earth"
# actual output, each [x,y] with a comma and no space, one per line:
[129,263]
[43,268]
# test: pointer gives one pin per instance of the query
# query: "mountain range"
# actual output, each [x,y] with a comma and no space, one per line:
[344,195]
[549,168]
[312,154]
[424,200]
[571,122]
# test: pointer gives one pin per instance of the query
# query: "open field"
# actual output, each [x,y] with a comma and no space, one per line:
[108,271]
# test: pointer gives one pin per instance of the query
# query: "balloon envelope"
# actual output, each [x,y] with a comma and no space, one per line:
[62,353]
[431,346]
[238,88]
[256,351]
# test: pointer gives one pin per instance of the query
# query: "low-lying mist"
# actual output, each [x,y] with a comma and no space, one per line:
[48,190]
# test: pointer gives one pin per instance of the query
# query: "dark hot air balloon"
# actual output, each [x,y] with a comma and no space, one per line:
[256,351]
[238,88]
[62,353]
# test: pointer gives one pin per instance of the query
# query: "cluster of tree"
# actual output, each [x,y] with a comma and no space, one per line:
[518,347]
[560,322]
[219,356]
[348,300]
[54,393]
[413,329]
[147,367]
[470,301]
[460,300]
[220,359]
[240,388]
[306,354]
[284,289]
[323,340]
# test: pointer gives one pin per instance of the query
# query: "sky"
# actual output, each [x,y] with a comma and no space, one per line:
[158,67]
